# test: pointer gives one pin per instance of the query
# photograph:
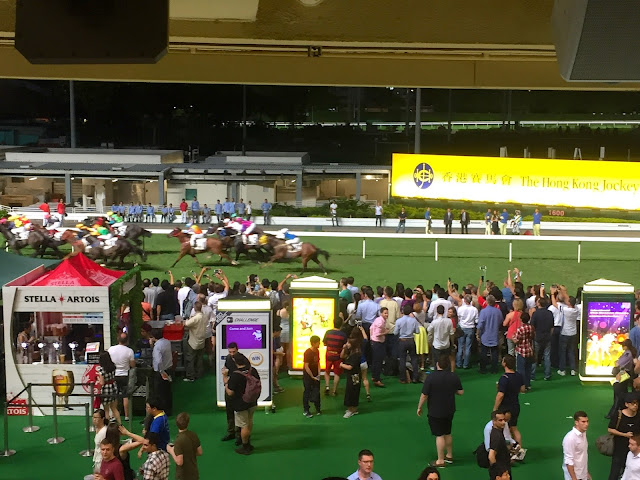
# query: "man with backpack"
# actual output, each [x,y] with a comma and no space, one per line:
[243,389]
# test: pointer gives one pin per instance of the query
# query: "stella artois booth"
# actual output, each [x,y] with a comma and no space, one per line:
[58,321]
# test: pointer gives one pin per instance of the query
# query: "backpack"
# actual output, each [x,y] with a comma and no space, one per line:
[187,304]
[482,456]
[253,388]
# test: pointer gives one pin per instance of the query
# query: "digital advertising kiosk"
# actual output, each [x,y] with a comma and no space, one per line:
[314,305]
[247,322]
[607,317]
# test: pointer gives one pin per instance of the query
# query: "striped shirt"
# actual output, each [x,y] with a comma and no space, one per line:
[334,340]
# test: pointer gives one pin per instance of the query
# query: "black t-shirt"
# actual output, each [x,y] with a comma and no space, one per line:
[402,216]
[441,387]
[313,359]
[510,384]
[498,443]
[238,383]
[167,302]
[542,321]
[627,424]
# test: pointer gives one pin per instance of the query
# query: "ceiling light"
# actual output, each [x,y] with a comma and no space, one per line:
[33,178]
[114,180]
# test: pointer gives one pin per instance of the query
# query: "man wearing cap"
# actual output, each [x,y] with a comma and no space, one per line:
[235,386]
[623,425]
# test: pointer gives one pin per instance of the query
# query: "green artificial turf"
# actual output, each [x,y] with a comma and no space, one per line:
[289,446]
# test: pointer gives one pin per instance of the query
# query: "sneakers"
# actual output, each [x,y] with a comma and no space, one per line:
[562,373]
[573,373]
[326,390]
[244,450]
[307,414]
[278,389]
[368,398]
[188,380]
[228,436]
[348,414]
[318,413]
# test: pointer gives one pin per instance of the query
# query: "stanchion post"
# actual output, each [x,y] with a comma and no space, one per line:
[579,251]
[510,250]
[436,250]
[91,395]
[31,427]
[88,452]
[6,452]
[55,439]
[364,248]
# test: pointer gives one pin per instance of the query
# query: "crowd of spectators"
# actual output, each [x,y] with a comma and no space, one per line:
[415,335]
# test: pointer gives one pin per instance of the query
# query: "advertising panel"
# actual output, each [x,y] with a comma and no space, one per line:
[572,183]
[310,316]
[248,324]
[607,324]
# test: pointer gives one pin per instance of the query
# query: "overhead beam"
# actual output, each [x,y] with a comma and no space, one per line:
[277,69]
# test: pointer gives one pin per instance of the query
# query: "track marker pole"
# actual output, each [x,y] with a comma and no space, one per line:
[510,250]
[436,249]
[579,251]
[364,248]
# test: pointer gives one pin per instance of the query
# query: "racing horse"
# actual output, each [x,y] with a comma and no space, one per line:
[212,245]
[308,251]
[129,231]
[230,238]
[121,249]
[38,239]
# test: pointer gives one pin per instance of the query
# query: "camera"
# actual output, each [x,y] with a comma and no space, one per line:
[217,271]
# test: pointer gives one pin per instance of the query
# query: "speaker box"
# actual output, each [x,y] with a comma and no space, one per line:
[92,31]
[597,40]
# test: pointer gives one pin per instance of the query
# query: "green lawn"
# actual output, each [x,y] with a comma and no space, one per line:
[412,261]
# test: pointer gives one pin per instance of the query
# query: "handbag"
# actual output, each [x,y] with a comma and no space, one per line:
[604,443]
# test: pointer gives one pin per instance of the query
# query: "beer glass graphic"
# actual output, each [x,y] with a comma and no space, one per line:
[63,384]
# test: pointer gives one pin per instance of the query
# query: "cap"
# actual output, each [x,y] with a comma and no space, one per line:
[146,327]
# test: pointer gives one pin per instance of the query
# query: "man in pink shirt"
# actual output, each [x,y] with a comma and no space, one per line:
[378,332]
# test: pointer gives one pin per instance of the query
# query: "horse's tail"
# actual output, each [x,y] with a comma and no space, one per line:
[324,253]
[146,233]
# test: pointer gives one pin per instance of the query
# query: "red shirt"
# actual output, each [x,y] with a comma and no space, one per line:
[112,470]
[183,206]
[45,208]
[61,208]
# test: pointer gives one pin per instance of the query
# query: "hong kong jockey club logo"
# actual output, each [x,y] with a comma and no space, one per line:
[423,175]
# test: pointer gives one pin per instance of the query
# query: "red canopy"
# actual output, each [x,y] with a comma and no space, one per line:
[78,271]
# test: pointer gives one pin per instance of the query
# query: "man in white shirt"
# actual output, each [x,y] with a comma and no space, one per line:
[575,449]
[467,320]
[123,358]
[442,330]
[186,292]
[365,467]
[440,300]
[558,297]
[632,466]
[220,291]
[568,343]
[379,214]
[334,213]
[197,326]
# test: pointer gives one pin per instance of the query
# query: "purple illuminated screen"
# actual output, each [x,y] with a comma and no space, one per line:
[609,317]
[246,336]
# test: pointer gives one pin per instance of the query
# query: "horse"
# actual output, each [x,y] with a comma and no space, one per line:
[38,239]
[232,239]
[129,231]
[120,249]
[308,251]
[213,246]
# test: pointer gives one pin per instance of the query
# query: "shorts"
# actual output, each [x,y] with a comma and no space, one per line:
[364,366]
[335,366]
[285,337]
[515,413]
[242,418]
[123,383]
[440,426]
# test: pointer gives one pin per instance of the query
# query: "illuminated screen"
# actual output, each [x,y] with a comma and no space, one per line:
[246,336]
[310,316]
[608,324]
[577,183]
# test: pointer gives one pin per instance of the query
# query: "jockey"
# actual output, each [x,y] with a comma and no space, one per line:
[52,221]
[244,227]
[115,220]
[196,233]
[22,225]
[289,238]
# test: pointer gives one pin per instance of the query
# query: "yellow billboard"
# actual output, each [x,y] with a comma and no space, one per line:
[310,316]
[572,183]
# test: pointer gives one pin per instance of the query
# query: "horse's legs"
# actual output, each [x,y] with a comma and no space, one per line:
[315,259]
[196,259]
[182,254]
